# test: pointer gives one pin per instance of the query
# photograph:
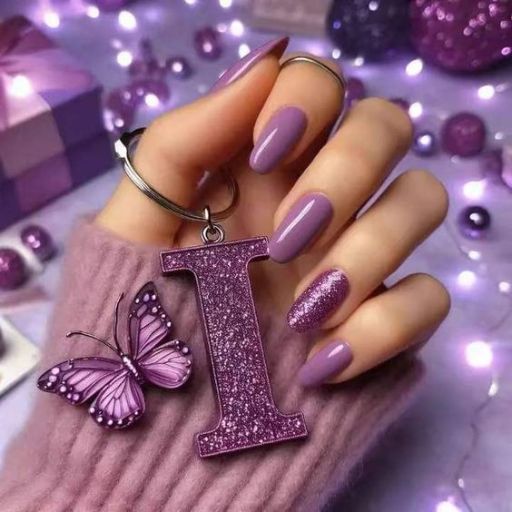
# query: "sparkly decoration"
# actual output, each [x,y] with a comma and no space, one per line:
[37,239]
[491,165]
[179,67]
[13,271]
[115,385]
[248,415]
[463,134]
[109,5]
[369,29]
[207,43]
[424,143]
[356,91]
[474,221]
[462,35]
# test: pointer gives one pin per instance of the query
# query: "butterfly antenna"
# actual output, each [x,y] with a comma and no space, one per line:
[87,335]
[116,323]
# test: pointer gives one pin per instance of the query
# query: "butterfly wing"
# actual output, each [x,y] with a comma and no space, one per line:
[120,403]
[78,380]
[148,323]
[168,365]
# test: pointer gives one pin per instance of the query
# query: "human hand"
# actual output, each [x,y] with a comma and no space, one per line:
[305,194]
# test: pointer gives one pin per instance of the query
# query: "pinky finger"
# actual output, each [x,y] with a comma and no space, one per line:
[382,327]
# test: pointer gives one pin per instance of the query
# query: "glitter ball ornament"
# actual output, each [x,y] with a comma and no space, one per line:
[207,43]
[39,241]
[179,67]
[371,29]
[13,271]
[424,143]
[355,90]
[109,5]
[462,35]
[474,221]
[491,165]
[463,134]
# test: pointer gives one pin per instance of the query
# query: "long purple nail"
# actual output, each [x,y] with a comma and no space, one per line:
[326,364]
[280,134]
[303,223]
[243,65]
[325,294]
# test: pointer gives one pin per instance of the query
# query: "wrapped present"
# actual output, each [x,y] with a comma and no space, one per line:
[50,117]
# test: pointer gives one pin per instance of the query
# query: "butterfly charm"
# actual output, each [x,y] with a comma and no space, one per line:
[116,384]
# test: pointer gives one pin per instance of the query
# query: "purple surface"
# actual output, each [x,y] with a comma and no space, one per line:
[413,466]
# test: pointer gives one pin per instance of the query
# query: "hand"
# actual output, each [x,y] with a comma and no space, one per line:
[305,194]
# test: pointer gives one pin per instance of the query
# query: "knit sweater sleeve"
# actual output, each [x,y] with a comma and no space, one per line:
[63,461]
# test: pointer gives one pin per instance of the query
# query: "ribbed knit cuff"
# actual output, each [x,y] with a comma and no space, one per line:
[63,461]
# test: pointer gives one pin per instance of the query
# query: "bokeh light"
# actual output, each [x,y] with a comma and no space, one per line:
[479,354]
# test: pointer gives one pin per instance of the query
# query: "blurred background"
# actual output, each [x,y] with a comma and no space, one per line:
[76,73]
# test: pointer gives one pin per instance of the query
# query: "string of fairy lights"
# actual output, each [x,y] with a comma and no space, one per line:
[479,354]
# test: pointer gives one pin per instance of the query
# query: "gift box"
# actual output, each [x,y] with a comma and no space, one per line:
[52,135]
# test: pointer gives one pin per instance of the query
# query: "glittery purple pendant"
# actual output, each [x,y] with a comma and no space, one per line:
[248,414]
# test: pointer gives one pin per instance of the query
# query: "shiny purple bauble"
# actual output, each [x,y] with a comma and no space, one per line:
[179,67]
[491,165]
[371,29]
[148,86]
[39,241]
[463,134]
[474,221]
[207,43]
[424,143]
[462,35]
[356,91]
[109,5]
[13,271]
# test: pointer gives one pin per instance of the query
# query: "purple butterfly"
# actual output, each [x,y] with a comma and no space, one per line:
[116,384]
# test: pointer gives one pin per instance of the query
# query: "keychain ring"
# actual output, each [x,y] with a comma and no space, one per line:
[123,147]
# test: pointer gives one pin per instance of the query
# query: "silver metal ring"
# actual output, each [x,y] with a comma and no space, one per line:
[122,148]
[340,80]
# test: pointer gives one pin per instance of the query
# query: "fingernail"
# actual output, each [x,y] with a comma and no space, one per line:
[280,134]
[246,63]
[319,300]
[302,224]
[326,364]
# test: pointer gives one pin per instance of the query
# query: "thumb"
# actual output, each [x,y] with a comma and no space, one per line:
[179,146]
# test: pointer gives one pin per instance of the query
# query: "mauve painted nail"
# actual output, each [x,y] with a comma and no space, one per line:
[282,131]
[302,224]
[246,63]
[326,364]
[319,300]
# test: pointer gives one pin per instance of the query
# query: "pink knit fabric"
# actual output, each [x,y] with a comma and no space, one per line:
[63,461]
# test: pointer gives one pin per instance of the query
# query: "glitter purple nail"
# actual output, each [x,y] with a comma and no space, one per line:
[318,300]
[248,414]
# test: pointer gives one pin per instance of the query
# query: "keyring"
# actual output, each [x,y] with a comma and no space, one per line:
[340,80]
[122,148]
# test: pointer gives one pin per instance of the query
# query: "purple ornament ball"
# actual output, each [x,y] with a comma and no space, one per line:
[371,29]
[207,43]
[425,143]
[179,67]
[151,91]
[474,221]
[356,90]
[462,35]
[13,271]
[463,134]
[109,5]
[39,241]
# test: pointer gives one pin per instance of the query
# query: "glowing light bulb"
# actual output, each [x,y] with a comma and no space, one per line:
[474,189]
[486,92]
[127,20]
[358,61]
[237,28]
[151,100]
[124,58]
[51,19]
[466,279]
[415,109]
[415,67]
[447,506]
[243,50]
[474,255]
[20,87]
[225,4]
[504,287]
[373,5]
[92,11]
[336,53]
[479,354]
[191,2]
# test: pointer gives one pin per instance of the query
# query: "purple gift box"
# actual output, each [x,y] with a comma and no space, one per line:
[52,135]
